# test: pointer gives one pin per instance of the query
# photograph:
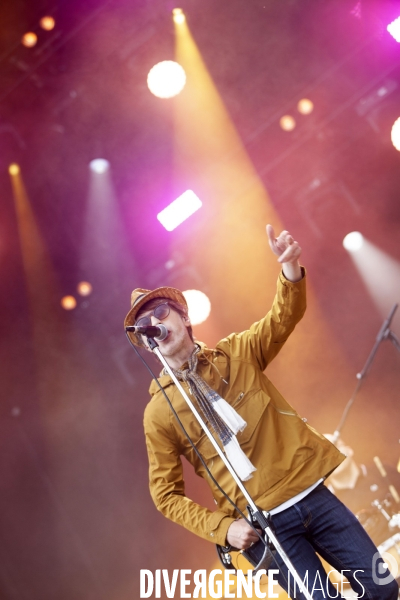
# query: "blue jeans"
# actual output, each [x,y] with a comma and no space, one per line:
[321,523]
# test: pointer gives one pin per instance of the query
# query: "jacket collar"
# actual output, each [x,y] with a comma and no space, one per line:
[165,380]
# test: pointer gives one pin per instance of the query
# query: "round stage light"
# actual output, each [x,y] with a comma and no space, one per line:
[287,123]
[199,306]
[99,165]
[178,16]
[47,23]
[68,302]
[395,134]
[305,106]
[29,39]
[353,241]
[14,169]
[166,79]
[84,288]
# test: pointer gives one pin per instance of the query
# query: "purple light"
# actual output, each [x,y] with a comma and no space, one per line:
[179,210]
[394,29]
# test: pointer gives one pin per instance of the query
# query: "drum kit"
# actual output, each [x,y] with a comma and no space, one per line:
[381,520]
[352,483]
[375,489]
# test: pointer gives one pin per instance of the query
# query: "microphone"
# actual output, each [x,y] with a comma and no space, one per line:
[158,332]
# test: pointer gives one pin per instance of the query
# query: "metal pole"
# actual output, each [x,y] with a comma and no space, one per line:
[383,334]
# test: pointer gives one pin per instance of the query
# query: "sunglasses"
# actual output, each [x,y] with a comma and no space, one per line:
[160,312]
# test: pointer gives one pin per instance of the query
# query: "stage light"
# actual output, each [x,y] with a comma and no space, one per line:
[166,79]
[84,288]
[14,169]
[353,241]
[29,39]
[99,165]
[380,273]
[394,29]
[179,210]
[395,134]
[287,123]
[68,302]
[47,23]
[305,106]
[199,306]
[178,16]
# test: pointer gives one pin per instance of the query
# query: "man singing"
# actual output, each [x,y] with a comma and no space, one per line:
[281,458]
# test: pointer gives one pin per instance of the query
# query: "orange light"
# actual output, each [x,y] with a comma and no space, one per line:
[68,302]
[84,288]
[14,169]
[47,23]
[305,106]
[29,39]
[287,123]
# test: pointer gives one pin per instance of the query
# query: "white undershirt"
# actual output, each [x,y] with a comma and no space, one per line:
[295,499]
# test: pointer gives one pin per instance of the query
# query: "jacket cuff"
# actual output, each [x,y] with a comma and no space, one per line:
[285,281]
[219,524]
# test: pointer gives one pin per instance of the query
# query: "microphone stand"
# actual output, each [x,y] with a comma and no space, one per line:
[256,513]
[385,333]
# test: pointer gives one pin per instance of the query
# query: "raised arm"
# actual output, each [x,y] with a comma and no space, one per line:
[264,339]
[288,252]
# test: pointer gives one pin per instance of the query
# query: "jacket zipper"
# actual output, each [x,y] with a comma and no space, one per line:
[284,412]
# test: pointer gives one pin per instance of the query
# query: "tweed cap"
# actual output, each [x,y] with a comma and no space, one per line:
[139,297]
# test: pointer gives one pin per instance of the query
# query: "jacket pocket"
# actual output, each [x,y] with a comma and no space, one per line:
[290,444]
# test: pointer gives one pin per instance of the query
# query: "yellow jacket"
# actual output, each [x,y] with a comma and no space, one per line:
[289,454]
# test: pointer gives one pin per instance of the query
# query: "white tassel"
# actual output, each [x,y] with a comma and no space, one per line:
[229,415]
[239,460]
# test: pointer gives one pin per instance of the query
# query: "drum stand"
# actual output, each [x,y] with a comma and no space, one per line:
[256,514]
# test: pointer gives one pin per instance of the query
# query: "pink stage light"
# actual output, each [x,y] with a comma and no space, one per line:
[394,29]
[179,210]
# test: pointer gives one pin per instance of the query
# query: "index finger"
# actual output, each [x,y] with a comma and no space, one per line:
[270,234]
